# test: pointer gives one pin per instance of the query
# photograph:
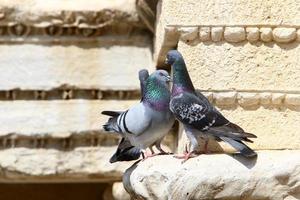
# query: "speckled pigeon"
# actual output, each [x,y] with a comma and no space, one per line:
[199,118]
[146,123]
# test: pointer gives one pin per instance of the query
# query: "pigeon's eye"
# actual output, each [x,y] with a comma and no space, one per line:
[161,74]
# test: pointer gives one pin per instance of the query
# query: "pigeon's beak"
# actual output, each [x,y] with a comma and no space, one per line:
[169,79]
[166,61]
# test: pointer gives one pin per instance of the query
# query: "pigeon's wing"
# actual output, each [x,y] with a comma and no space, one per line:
[125,152]
[196,111]
[137,120]
[132,121]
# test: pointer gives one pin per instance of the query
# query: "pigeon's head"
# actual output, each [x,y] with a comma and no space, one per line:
[143,74]
[161,76]
[172,56]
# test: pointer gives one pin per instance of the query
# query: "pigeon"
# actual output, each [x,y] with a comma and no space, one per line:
[199,118]
[146,123]
[125,151]
[143,76]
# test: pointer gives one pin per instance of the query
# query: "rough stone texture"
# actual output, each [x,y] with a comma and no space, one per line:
[243,66]
[48,165]
[273,175]
[176,13]
[194,12]
[298,35]
[119,193]
[38,11]
[217,33]
[90,65]
[284,35]
[225,98]
[188,34]
[275,128]
[234,34]
[292,99]
[55,118]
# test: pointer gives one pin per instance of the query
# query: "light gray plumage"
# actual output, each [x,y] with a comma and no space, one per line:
[125,151]
[199,117]
[146,123]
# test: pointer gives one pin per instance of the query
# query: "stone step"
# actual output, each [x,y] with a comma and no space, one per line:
[273,175]
[56,119]
[100,64]
[87,164]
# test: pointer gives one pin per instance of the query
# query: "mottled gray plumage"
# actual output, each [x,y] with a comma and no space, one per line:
[199,117]
[146,123]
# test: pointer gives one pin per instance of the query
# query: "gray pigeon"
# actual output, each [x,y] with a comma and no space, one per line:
[125,151]
[143,76]
[200,119]
[146,123]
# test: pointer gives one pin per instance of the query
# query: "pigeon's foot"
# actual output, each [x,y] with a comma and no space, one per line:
[147,155]
[187,155]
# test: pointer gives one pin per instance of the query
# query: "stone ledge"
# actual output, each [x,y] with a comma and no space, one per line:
[55,119]
[87,65]
[237,64]
[51,165]
[232,21]
[55,18]
[273,175]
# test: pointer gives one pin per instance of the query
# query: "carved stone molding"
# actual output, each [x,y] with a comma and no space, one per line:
[68,93]
[255,99]
[235,34]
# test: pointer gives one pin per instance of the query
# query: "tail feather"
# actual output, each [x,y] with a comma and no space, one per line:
[111,125]
[111,113]
[125,152]
[240,146]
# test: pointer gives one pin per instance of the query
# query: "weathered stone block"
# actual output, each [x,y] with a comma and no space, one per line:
[91,65]
[55,118]
[80,164]
[204,34]
[217,33]
[234,34]
[284,35]
[242,67]
[266,34]
[273,175]
[252,34]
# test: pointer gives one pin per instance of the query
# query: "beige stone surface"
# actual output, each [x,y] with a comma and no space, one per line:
[244,66]
[56,118]
[266,34]
[80,164]
[234,34]
[252,34]
[275,128]
[217,33]
[194,12]
[118,192]
[253,14]
[37,11]
[284,35]
[100,64]
[273,175]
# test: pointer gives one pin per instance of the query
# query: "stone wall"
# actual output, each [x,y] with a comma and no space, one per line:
[61,64]
[244,56]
